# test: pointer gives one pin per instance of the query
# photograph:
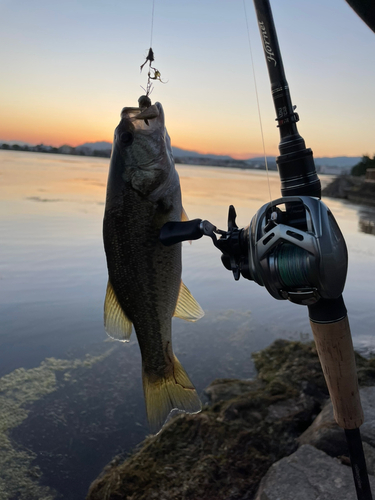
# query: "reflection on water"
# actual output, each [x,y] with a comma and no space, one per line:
[65,416]
[366,222]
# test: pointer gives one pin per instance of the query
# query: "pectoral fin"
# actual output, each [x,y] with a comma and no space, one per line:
[117,325]
[187,307]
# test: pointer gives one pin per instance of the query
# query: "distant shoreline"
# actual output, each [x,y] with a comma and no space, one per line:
[63,150]
[185,159]
[106,153]
[352,188]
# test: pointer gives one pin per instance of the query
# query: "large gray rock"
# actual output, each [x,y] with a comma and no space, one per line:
[326,435]
[370,458]
[368,405]
[308,474]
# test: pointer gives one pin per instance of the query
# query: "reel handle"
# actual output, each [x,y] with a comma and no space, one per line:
[175,232]
[335,349]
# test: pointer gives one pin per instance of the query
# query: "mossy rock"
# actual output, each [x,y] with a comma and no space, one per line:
[293,364]
[223,452]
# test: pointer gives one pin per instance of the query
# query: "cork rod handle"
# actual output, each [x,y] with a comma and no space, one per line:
[335,349]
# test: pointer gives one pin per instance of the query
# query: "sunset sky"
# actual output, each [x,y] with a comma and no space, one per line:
[68,67]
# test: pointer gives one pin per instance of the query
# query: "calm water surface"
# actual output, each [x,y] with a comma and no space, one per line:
[70,399]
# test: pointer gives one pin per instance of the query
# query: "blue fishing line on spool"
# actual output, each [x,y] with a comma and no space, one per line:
[292,265]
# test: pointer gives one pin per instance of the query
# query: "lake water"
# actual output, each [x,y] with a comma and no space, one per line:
[71,399]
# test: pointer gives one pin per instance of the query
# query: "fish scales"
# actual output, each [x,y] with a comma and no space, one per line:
[144,287]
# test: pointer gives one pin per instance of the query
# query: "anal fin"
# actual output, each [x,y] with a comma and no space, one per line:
[117,325]
[187,307]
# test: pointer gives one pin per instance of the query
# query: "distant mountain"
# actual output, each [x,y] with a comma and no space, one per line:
[104,145]
[96,146]
[271,159]
[343,163]
[337,161]
[181,153]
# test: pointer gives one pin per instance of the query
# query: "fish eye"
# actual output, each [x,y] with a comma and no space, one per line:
[126,139]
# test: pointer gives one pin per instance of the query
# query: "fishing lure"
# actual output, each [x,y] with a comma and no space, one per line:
[153,73]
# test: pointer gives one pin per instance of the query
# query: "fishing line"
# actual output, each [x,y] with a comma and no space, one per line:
[153,73]
[152,21]
[257,98]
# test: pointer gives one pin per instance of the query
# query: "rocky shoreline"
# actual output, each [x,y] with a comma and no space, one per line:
[262,439]
[352,188]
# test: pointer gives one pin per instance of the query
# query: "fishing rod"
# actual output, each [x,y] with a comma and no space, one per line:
[328,315]
[293,247]
[366,11]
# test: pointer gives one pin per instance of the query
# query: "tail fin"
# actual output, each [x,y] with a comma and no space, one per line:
[173,391]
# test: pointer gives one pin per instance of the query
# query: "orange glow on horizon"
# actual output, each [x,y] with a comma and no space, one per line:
[51,138]
[54,124]
[57,129]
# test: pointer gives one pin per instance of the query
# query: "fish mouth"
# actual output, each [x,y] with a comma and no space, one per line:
[139,124]
[140,130]
[146,119]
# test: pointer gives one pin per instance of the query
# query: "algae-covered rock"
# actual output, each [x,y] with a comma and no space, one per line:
[223,389]
[287,366]
[223,452]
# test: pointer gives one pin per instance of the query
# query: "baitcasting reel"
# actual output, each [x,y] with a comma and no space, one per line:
[293,246]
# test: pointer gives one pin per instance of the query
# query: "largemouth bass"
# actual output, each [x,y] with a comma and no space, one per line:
[144,286]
